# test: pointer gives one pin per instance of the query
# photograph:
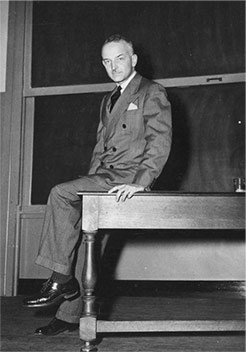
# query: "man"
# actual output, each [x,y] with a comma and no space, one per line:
[133,145]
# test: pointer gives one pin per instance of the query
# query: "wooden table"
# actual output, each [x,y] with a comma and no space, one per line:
[151,210]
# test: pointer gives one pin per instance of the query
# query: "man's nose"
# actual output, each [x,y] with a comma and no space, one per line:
[114,65]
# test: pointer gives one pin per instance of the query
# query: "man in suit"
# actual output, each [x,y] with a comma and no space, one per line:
[133,145]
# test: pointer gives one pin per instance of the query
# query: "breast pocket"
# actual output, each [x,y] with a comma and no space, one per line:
[133,122]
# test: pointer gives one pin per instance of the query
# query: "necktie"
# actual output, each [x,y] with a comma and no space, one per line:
[115,97]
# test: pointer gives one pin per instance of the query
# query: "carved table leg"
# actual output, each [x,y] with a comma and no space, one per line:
[88,319]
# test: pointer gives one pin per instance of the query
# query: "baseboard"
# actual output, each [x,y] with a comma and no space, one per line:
[143,288]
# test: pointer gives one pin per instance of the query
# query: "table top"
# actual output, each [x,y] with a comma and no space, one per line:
[165,193]
[172,210]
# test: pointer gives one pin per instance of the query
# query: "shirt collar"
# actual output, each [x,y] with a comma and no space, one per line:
[125,84]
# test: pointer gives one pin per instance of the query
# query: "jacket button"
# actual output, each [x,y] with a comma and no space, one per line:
[124,125]
[114,149]
[111,166]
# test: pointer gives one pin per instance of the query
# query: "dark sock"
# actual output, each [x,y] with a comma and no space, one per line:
[60,278]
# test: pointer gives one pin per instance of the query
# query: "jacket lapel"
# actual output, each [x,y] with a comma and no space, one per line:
[105,109]
[129,95]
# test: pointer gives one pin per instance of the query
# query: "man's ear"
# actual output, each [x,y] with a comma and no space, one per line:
[134,60]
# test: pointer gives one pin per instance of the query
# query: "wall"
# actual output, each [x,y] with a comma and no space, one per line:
[11,120]
[220,258]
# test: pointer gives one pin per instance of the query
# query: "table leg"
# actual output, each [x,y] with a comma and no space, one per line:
[88,320]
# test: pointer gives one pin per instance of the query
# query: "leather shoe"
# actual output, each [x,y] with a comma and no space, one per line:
[55,327]
[53,293]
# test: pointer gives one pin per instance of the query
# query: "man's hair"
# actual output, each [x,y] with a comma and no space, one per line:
[118,38]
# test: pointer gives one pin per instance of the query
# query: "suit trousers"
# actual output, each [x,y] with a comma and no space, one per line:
[61,234]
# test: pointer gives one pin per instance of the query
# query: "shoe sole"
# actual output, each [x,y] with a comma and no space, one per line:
[57,332]
[64,297]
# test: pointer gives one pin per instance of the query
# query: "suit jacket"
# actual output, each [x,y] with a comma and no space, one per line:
[134,140]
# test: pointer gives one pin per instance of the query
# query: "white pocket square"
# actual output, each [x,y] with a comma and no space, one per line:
[132,106]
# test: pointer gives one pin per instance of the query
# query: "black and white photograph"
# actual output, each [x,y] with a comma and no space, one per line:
[122,176]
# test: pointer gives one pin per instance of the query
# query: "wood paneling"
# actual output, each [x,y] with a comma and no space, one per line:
[11,125]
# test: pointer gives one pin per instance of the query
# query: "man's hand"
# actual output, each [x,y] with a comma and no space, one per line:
[126,191]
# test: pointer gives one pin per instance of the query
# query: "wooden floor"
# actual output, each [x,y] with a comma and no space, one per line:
[170,300]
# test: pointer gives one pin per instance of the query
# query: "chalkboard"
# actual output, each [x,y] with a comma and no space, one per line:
[208,148]
[172,38]
[208,139]
[64,137]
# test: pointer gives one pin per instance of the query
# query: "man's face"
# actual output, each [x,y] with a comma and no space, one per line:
[118,61]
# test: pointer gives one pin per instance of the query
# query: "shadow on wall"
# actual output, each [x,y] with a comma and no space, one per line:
[144,65]
[177,164]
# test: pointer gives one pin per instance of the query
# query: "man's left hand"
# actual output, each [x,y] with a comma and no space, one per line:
[125,191]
